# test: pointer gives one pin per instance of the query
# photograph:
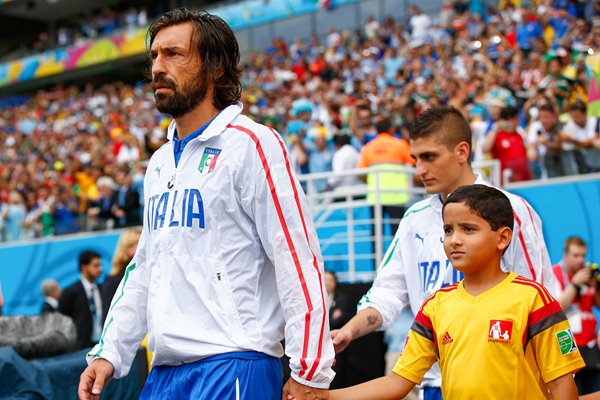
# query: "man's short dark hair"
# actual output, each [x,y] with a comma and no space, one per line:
[384,126]
[487,202]
[509,113]
[332,273]
[548,107]
[86,257]
[446,123]
[578,106]
[574,241]
[217,47]
[341,139]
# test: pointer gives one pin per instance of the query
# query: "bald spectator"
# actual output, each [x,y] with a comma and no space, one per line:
[51,292]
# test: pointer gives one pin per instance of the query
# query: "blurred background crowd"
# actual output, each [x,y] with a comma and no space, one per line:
[87,26]
[74,157]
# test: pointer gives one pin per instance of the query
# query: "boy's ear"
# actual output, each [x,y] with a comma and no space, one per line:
[504,237]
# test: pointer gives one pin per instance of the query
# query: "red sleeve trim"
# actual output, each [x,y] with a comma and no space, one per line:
[293,251]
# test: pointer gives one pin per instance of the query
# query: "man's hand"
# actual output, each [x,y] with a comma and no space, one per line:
[94,378]
[293,390]
[341,338]
[582,277]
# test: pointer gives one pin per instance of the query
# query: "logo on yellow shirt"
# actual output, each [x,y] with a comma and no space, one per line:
[447,339]
[566,342]
[500,331]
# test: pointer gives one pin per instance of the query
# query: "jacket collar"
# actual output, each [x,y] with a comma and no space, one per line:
[216,127]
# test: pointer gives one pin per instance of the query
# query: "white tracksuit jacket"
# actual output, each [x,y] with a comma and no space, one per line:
[228,257]
[415,264]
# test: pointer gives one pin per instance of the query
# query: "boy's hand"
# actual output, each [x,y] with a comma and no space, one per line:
[296,391]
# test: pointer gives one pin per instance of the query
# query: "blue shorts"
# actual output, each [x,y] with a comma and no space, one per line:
[432,393]
[244,375]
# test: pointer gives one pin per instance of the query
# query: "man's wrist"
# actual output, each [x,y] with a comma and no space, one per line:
[577,288]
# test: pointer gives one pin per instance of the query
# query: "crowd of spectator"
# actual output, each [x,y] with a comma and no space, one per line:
[73,157]
[85,27]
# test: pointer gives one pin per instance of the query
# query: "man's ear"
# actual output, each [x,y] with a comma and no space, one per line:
[504,237]
[463,152]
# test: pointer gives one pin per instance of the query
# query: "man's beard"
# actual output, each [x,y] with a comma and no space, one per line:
[183,101]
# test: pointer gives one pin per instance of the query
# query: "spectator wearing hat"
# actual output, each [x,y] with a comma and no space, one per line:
[319,158]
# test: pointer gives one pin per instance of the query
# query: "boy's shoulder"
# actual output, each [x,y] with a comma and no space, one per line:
[532,289]
[440,295]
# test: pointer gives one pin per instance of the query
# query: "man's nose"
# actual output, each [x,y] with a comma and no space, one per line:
[158,66]
[420,168]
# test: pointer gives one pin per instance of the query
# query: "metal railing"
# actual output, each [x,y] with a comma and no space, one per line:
[353,232]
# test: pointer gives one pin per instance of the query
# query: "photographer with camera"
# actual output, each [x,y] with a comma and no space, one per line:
[579,282]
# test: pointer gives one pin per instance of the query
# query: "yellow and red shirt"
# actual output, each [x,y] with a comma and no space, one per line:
[506,343]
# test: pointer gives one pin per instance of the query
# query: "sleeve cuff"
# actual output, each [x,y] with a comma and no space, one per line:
[111,358]
[316,385]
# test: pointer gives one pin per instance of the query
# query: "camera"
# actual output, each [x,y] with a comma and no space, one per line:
[595,271]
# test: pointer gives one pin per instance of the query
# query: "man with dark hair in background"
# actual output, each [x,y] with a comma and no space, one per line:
[82,300]
[581,136]
[544,142]
[229,262]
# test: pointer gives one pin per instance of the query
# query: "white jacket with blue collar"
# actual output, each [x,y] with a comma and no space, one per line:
[227,260]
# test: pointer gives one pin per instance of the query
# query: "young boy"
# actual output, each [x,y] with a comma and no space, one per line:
[496,335]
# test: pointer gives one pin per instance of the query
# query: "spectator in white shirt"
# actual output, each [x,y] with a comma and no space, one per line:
[579,134]
[345,158]
[419,24]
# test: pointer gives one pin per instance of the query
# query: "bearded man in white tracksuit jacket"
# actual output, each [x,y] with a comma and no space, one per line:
[415,265]
[228,264]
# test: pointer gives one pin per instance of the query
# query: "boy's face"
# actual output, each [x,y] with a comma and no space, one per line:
[469,241]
